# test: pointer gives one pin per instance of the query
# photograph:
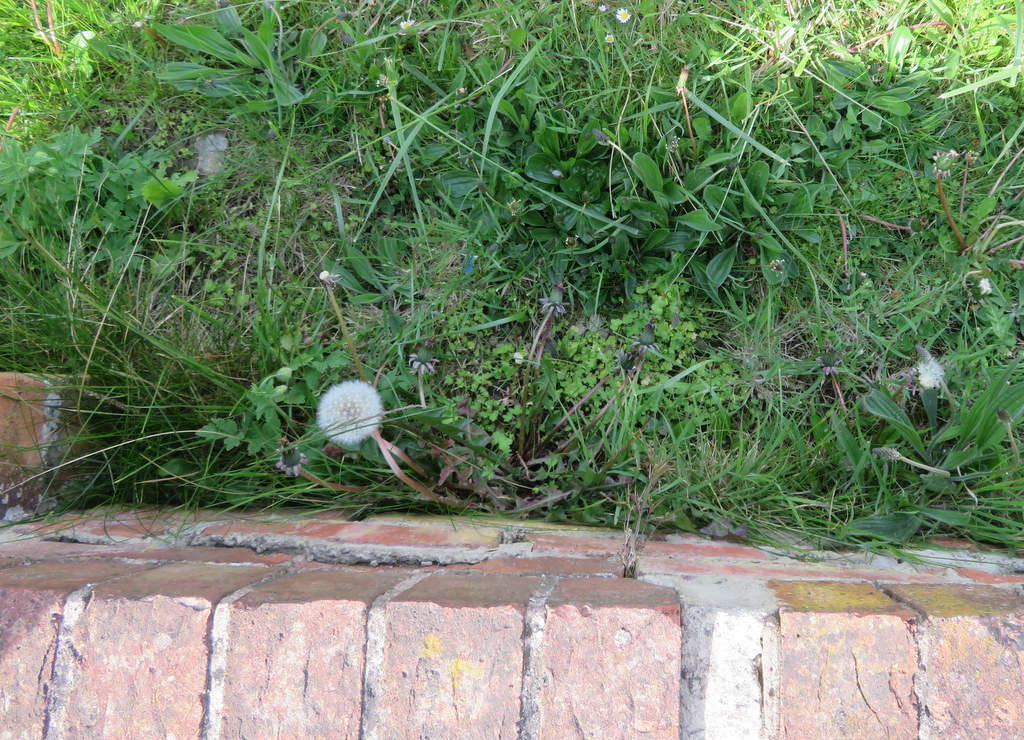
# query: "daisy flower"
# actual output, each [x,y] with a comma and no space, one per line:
[609,38]
[622,15]
[407,24]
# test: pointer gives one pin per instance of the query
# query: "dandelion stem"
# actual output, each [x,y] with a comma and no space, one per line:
[573,410]
[886,223]
[386,448]
[537,340]
[949,216]
[347,335]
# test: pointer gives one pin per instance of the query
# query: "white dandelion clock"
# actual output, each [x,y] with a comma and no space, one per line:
[930,372]
[349,412]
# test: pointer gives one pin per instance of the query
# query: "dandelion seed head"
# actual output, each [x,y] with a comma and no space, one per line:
[930,373]
[349,412]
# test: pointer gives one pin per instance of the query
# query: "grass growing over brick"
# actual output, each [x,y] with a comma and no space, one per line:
[742,271]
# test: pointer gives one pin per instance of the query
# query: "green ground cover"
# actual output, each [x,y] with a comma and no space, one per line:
[744,269]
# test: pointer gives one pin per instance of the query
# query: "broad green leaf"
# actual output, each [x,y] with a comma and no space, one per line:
[757,179]
[205,40]
[699,220]
[720,266]
[673,193]
[255,46]
[160,190]
[899,46]
[543,168]
[953,518]
[896,527]
[227,20]
[879,404]
[891,105]
[645,210]
[650,173]
[517,37]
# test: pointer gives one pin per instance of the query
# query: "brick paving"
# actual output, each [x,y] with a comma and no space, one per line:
[130,624]
[143,624]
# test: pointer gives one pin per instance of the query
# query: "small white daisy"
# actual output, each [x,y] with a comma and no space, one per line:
[407,24]
[609,38]
[622,15]
[603,8]
[349,412]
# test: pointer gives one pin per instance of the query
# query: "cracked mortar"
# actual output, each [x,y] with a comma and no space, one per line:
[325,551]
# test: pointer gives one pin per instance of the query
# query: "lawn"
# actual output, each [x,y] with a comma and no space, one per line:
[754,272]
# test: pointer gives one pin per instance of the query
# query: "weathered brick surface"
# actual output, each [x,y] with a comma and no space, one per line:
[142,652]
[549,566]
[296,646]
[611,661]
[972,647]
[31,600]
[25,431]
[453,658]
[848,659]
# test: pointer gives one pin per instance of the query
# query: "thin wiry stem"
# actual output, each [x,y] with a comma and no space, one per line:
[347,335]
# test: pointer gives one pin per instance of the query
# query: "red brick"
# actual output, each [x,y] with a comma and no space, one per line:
[848,659]
[439,534]
[36,549]
[131,524]
[295,655]
[983,576]
[142,652]
[611,657]
[23,415]
[972,647]
[453,657]
[781,570]
[31,601]
[548,566]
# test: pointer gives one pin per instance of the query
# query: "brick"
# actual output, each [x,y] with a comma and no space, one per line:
[294,665]
[680,563]
[549,566]
[972,648]
[31,431]
[453,657]
[142,654]
[983,576]
[116,524]
[371,533]
[611,660]
[31,601]
[848,660]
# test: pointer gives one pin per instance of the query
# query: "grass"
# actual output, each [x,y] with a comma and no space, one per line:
[694,270]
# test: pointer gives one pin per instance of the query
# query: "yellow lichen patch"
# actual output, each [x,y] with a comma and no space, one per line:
[432,646]
[461,668]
